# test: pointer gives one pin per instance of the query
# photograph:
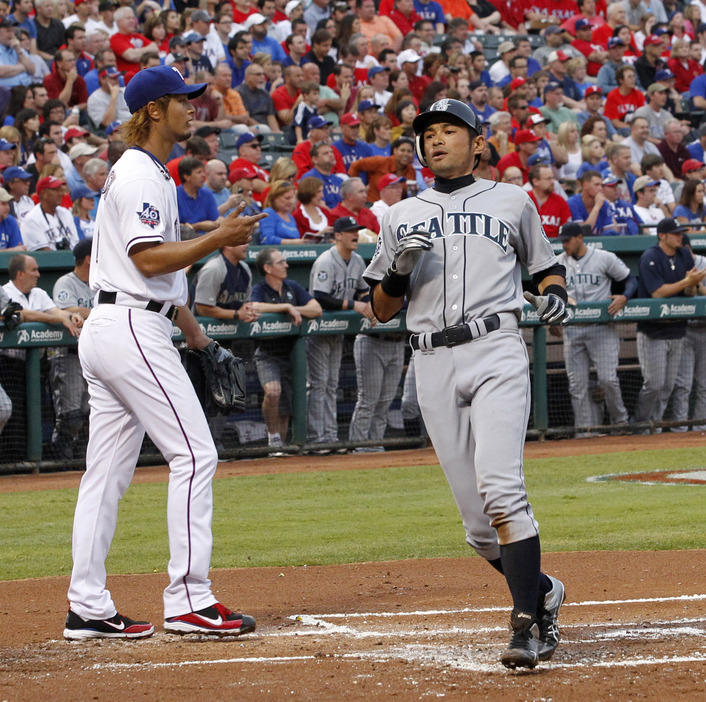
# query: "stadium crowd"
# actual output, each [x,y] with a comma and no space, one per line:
[593,107]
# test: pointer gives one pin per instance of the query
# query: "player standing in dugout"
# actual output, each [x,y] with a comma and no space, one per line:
[455,252]
[136,381]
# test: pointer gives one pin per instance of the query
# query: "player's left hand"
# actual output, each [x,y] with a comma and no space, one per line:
[551,309]
[617,304]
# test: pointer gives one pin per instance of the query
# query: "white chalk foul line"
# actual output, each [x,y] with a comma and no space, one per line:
[477,610]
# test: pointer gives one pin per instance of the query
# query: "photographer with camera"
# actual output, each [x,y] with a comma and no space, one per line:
[47,226]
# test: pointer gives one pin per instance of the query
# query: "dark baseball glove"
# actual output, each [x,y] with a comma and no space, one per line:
[218,378]
[10,314]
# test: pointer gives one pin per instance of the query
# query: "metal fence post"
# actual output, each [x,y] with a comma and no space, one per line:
[539,378]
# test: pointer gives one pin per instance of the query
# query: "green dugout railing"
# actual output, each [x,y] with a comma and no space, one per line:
[33,337]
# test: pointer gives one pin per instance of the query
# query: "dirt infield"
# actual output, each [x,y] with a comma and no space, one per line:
[634,626]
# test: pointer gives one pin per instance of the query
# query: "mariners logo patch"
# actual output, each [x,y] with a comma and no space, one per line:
[440,106]
[63,296]
[322,276]
[149,215]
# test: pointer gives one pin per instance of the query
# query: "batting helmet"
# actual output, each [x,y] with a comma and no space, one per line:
[439,112]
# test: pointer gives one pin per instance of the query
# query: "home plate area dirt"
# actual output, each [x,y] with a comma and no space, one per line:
[633,628]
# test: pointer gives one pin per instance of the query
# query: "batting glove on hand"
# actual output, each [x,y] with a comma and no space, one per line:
[550,308]
[10,314]
[409,250]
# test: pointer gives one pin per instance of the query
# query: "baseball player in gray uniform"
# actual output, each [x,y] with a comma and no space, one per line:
[69,392]
[136,381]
[5,401]
[336,282]
[379,359]
[591,275]
[455,252]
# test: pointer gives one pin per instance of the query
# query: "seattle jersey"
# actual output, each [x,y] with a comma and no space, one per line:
[138,206]
[333,276]
[71,291]
[588,279]
[481,233]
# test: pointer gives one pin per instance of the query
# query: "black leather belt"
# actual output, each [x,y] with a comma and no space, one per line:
[109,298]
[460,334]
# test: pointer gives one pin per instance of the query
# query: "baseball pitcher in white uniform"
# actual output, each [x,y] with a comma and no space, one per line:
[135,379]
[455,252]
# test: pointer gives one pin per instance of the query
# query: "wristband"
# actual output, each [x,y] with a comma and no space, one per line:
[394,284]
[558,291]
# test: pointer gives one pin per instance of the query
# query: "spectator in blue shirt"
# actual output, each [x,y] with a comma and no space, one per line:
[349,146]
[478,93]
[237,56]
[23,9]
[10,237]
[197,206]
[697,90]
[324,161]
[432,11]
[590,205]
[16,67]
[280,227]
[257,25]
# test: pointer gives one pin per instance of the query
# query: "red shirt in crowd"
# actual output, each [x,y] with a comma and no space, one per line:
[120,43]
[684,74]
[404,24]
[54,84]
[365,217]
[587,48]
[513,159]
[554,212]
[262,174]
[302,158]
[617,106]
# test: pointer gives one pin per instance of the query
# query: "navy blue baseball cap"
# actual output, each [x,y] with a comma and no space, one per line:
[346,224]
[664,74]
[569,230]
[6,145]
[153,83]
[247,138]
[367,105]
[377,69]
[318,122]
[194,37]
[15,172]
[112,127]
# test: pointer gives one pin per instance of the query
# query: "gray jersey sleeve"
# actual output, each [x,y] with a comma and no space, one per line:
[323,275]
[4,298]
[71,291]
[209,281]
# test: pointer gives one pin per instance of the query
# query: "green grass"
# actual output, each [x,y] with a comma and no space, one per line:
[367,515]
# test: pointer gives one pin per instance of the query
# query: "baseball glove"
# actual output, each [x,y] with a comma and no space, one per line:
[218,378]
[10,314]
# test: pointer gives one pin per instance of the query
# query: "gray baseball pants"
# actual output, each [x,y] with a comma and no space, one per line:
[323,355]
[378,369]
[659,363]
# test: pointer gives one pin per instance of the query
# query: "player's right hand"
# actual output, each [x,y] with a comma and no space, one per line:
[409,251]
[237,230]
[551,309]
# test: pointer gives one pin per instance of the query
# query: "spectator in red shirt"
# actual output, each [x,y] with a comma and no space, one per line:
[525,146]
[127,44]
[594,52]
[196,147]
[319,130]
[685,69]
[354,194]
[624,99]
[64,83]
[286,98]
[408,61]
[404,16]
[553,209]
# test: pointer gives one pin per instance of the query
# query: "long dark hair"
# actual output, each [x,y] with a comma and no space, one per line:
[23,116]
[688,194]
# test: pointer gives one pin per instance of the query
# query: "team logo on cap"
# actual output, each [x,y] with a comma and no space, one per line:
[440,106]
[149,215]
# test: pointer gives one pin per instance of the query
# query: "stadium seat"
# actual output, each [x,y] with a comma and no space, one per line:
[227,139]
[276,141]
